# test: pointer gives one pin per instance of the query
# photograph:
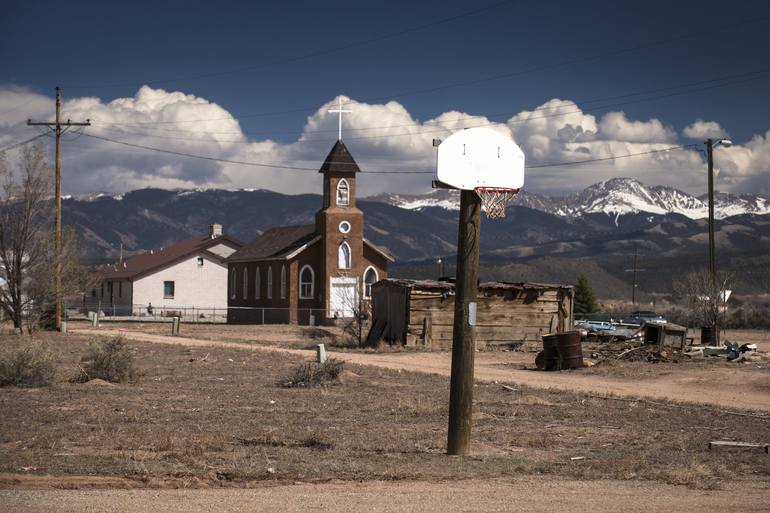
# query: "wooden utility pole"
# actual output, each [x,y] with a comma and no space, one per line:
[712,251]
[58,127]
[634,270]
[464,330]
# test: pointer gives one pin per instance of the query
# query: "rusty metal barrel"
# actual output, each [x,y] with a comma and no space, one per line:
[563,351]
[708,336]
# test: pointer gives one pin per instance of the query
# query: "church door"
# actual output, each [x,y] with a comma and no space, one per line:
[343,299]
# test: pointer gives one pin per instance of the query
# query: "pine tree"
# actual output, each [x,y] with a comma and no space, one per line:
[585,301]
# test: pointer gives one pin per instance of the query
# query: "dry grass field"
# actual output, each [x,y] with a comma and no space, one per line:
[199,417]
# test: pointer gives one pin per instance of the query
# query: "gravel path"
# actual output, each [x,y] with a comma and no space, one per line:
[723,387]
[530,494]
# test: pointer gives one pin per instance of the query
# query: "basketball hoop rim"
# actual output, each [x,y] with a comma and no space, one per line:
[495,189]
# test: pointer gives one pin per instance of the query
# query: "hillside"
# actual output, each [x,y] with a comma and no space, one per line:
[537,240]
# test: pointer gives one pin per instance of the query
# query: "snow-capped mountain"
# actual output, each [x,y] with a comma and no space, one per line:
[615,197]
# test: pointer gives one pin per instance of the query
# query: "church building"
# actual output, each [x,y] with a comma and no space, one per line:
[310,274]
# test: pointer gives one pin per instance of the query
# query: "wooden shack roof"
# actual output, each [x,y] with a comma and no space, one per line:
[448,286]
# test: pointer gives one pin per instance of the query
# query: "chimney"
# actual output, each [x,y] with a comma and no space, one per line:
[216,230]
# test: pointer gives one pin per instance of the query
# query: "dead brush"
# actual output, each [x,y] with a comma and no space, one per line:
[109,359]
[314,374]
[310,442]
[30,365]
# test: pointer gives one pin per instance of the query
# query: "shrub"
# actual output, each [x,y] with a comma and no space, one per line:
[315,374]
[110,360]
[31,365]
[748,317]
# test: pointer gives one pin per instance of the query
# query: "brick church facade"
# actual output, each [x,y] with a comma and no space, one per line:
[309,274]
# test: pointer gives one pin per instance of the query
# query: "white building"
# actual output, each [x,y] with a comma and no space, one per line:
[188,277]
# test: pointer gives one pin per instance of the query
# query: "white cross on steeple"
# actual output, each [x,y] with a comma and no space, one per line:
[339,111]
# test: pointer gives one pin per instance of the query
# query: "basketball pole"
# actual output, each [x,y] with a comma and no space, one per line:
[464,330]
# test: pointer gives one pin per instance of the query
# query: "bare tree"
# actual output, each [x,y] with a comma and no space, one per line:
[76,279]
[27,256]
[26,227]
[703,296]
[353,325]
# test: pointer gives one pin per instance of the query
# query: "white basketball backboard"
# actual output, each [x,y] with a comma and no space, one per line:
[480,157]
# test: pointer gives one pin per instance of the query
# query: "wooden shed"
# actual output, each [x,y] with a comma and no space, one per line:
[421,312]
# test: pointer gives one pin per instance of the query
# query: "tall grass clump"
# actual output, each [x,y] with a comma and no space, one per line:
[314,374]
[109,359]
[28,365]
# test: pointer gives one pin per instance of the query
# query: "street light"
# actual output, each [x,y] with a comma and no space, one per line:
[710,145]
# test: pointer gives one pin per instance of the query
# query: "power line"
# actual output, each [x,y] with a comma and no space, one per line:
[298,168]
[309,55]
[558,114]
[753,74]
[17,107]
[603,159]
[439,129]
[708,31]
[22,143]
[203,157]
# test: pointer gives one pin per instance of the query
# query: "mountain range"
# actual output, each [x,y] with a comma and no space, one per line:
[598,229]
[618,196]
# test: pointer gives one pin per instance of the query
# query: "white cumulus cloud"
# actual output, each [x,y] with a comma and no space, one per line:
[700,129]
[615,125]
[382,137]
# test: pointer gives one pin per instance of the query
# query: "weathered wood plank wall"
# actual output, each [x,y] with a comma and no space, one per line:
[423,315]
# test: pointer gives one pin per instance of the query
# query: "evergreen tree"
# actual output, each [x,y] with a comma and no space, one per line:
[585,301]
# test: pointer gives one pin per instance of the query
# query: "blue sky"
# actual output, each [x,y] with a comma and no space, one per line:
[273,66]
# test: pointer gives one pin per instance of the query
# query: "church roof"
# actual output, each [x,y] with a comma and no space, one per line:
[339,160]
[379,249]
[276,243]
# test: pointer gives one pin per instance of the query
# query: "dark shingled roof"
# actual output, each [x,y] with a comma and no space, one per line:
[275,243]
[339,160]
[156,258]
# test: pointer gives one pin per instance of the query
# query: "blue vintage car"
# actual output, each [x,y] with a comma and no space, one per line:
[644,317]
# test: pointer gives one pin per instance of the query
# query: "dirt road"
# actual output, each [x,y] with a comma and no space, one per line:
[531,494]
[726,388]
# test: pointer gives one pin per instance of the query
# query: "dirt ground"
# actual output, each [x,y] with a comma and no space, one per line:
[207,426]
[306,337]
[741,386]
[299,337]
[525,494]
[206,416]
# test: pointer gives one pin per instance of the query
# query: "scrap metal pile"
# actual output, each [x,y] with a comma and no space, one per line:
[655,342]
[608,331]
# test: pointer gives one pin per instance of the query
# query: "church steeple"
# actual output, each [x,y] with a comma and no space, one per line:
[339,170]
[339,160]
[339,221]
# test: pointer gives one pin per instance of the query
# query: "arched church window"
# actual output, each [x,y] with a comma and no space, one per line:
[232,283]
[283,282]
[306,282]
[370,277]
[343,193]
[245,283]
[270,282]
[257,283]
[343,256]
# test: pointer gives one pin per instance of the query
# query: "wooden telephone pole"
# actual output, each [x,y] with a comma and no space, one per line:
[634,270]
[58,127]
[464,330]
